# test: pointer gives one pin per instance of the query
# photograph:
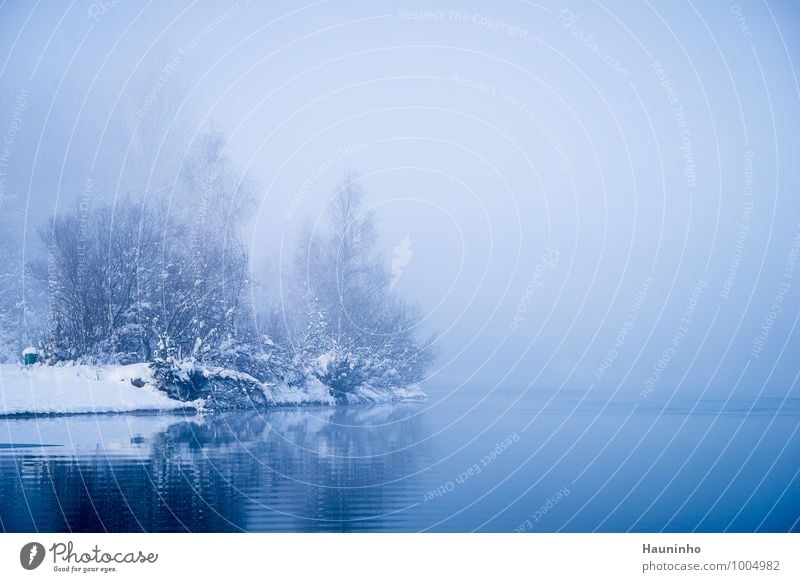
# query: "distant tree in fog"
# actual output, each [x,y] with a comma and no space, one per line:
[21,295]
[350,326]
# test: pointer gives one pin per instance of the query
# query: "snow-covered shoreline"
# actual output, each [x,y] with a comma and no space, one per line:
[70,389]
[79,389]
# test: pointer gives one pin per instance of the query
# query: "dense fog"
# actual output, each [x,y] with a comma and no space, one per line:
[509,195]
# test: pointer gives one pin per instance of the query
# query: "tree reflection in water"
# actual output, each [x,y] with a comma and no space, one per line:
[308,469]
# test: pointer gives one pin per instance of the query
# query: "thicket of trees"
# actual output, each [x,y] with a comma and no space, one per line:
[143,278]
[163,277]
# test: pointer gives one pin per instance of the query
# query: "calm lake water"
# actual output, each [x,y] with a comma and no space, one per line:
[462,461]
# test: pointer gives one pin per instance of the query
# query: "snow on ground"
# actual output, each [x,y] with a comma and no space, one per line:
[76,389]
[79,389]
[413,392]
[314,392]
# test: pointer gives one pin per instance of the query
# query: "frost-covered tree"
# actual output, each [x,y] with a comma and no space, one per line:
[204,268]
[10,295]
[355,331]
[139,278]
[97,274]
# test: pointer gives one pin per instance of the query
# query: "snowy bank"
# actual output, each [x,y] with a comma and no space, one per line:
[224,389]
[81,389]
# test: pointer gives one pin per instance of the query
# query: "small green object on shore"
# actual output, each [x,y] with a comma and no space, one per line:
[30,356]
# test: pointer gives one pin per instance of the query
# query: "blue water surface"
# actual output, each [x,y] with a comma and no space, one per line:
[467,459]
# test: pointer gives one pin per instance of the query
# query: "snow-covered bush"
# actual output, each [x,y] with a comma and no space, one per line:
[218,388]
[260,358]
[180,380]
[342,370]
